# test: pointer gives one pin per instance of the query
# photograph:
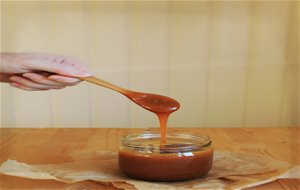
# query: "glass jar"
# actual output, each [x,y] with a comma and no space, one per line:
[184,156]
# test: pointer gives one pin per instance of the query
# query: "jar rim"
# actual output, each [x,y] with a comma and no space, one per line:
[184,142]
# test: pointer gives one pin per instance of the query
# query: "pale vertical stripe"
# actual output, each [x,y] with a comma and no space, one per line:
[148,55]
[250,57]
[7,107]
[290,99]
[6,102]
[109,60]
[189,58]
[29,110]
[228,64]
[67,40]
[266,75]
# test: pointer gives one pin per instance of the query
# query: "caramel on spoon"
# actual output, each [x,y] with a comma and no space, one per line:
[153,102]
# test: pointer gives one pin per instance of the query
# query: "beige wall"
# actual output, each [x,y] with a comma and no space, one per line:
[230,64]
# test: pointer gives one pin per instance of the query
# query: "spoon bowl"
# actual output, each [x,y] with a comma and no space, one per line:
[154,102]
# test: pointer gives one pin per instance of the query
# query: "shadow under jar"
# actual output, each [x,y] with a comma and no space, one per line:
[183,157]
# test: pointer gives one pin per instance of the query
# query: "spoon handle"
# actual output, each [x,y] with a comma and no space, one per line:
[103,83]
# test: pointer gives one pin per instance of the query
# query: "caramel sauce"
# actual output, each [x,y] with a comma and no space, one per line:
[163,119]
[166,167]
[162,106]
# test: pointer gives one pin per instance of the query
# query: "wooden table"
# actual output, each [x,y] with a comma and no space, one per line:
[41,146]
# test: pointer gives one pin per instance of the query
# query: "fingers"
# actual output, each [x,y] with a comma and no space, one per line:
[70,81]
[41,81]
[27,84]
[51,80]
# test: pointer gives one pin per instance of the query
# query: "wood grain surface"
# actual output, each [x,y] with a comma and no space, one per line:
[41,146]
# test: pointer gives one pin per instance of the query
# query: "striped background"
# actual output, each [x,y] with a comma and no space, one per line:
[230,64]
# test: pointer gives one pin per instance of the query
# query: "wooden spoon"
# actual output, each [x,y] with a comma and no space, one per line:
[153,102]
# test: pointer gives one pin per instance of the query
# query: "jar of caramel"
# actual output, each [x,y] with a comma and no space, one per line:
[183,157]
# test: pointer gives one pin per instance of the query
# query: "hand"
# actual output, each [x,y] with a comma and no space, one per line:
[31,71]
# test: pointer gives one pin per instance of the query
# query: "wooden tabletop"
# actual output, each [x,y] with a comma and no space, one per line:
[43,146]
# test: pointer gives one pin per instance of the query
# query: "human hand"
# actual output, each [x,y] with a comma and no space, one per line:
[35,71]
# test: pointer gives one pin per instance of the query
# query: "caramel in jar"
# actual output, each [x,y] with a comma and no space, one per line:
[183,157]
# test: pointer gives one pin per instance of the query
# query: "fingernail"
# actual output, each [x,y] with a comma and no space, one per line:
[81,73]
[55,78]
[27,75]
